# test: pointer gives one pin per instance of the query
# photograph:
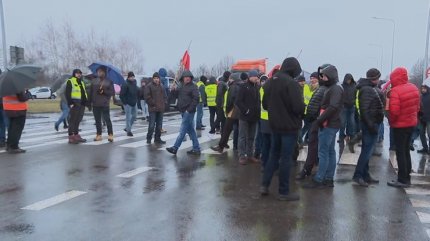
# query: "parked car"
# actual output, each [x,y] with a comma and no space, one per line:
[42,93]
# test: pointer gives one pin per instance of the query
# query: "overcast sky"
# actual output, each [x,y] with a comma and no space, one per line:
[331,31]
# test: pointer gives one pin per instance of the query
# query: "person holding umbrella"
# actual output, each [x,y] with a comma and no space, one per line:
[77,99]
[129,96]
[15,107]
[101,91]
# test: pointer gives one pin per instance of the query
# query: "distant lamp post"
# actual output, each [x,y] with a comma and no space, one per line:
[426,54]
[3,28]
[394,32]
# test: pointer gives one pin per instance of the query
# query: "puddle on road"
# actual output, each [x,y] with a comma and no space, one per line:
[19,228]
[73,172]
[10,189]
[155,186]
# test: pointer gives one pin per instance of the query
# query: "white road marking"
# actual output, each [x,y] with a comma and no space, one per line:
[189,143]
[420,203]
[417,191]
[54,200]
[135,172]
[138,144]
[424,217]
[115,139]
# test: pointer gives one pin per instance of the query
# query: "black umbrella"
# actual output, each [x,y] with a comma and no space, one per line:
[59,82]
[18,79]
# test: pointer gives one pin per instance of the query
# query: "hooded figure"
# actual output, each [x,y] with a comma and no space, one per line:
[163,79]
[188,94]
[349,87]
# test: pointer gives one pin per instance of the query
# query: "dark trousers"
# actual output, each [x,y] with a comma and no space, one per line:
[266,140]
[281,151]
[155,120]
[99,113]
[235,135]
[304,132]
[423,136]
[212,113]
[14,132]
[76,114]
[2,127]
[312,157]
[220,118]
[228,128]
[258,142]
[402,140]
[368,144]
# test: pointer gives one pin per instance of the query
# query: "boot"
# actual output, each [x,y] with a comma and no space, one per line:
[80,139]
[73,140]
[301,176]
[98,138]
[110,138]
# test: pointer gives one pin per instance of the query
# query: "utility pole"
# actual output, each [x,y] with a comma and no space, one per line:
[3,28]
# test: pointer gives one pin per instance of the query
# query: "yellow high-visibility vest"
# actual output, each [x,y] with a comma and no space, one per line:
[357,102]
[76,89]
[307,96]
[211,92]
[198,87]
[225,102]
[264,113]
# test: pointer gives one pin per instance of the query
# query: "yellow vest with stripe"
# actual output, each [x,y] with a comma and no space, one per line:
[225,101]
[264,113]
[357,102]
[211,92]
[198,87]
[76,89]
[307,96]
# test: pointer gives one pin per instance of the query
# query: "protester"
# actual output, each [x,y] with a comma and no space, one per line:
[312,113]
[165,82]
[188,98]
[371,109]
[211,94]
[77,99]
[348,113]
[329,124]
[15,107]
[265,130]
[201,85]
[403,110]
[283,99]
[101,91]
[248,103]
[129,96]
[143,103]
[308,92]
[64,108]
[156,99]
[232,114]
[221,89]
[259,137]
[2,126]
[425,118]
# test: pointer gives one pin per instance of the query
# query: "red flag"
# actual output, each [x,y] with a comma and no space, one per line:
[186,62]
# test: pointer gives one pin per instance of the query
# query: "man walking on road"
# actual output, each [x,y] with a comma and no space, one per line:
[371,109]
[77,99]
[156,99]
[211,93]
[15,107]
[129,96]
[403,117]
[101,92]
[188,98]
[201,85]
[329,123]
[64,107]
[221,89]
[348,113]
[248,103]
[283,99]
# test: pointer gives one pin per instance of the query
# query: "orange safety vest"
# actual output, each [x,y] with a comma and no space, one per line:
[11,102]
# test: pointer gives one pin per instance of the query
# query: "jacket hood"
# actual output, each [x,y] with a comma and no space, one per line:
[331,72]
[349,77]
[364,82]
[162,72]
[212,80]
[291,66]
[399,76]
[186,73]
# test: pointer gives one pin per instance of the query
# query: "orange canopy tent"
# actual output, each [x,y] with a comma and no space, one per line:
[247,65]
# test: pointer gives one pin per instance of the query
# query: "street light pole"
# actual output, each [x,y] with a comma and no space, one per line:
[394,34]
[3,35]
[382,53]
[426,54]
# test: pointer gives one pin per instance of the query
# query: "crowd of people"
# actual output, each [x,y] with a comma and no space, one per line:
[271,117]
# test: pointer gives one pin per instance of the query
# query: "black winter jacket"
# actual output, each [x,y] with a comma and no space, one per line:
[313,110]
[248,102]
[371,103]
[348,91]
[188,97]
[221,89]
[232,94]
[283,98]
[332,102]
[129,94]
[425,106]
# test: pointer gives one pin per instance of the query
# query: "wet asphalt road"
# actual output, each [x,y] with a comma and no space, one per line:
[210,197]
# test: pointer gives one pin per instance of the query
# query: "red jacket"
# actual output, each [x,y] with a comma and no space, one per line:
[404,101]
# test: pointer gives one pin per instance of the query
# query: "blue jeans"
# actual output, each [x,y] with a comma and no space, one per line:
[381,132]
[155,120]
[304,131]
[130,116]
[64,114]
[368,144]
[187,127]
[2,127]
[348,122]
[281,151]
[199,116]
[415,134]
[326,154]
[144,108]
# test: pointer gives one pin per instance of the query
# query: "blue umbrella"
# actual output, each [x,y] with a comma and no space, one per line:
[113,73]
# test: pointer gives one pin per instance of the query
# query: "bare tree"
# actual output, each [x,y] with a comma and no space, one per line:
[416,74]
